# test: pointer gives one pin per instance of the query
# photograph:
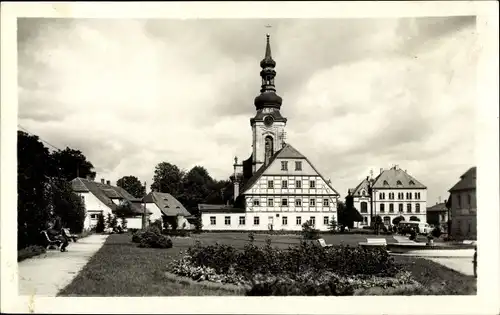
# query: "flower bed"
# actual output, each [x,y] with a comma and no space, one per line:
[306,269]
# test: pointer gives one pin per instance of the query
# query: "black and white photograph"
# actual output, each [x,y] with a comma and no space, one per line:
[250,157]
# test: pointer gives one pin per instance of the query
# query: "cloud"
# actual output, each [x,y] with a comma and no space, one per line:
[359,94]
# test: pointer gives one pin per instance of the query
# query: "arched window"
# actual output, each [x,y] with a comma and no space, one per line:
[382,207]
[269,149]
[363,193]
[417,208]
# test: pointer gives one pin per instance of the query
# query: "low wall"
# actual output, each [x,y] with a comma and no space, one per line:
[422,250]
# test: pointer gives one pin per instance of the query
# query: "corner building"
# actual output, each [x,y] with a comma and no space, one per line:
[277,187]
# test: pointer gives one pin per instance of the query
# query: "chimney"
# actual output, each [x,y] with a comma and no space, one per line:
[381,170]
[88,177]
[102,180]
[108,182]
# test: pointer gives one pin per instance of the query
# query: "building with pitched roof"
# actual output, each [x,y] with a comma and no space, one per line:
[463,206]
[103,198]
[277,187]
[164,204]
[437,215]
[393,193]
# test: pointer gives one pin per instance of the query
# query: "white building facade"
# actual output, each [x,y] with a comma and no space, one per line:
[394,193]
[277,188]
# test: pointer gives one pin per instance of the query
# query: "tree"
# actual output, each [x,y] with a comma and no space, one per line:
[100,223]
[111,221]
[123,222]
[347,214]
[414,218]
[167,178]
[379,223]
[72,163]
[67,205]
[332,225]
[34,167]
[132,185]
[197,185]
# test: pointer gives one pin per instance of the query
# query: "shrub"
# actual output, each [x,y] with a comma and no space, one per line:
[123,222]
[157,224]
[198,225]
[152,238]
[251,237]
[309,232]
[29,252]
[100,223]
[180,233]
[332,225]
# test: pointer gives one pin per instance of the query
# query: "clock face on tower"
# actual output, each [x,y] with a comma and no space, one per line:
[268,121]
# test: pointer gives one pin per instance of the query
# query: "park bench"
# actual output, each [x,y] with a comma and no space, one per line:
[374,242]
[323,243]
[50,243]
[70,236]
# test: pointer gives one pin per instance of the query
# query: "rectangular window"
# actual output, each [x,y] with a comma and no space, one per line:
[213,221]
[325,221]
[284,184]
[298,184]
[298,221]
[400,207]
[325,202]
[382,207]
[256,221]
[312,184]
[227,220]
[313,220]
[93,216]
[391,196]
[284,220]
[312,202]
[298,166]
[284,165]
[381,196]
[256,202]
[284,202]
[242,220]
[391,207]
[417,208]
[417,196]
[298,202]
[459,201]
[270,184]
[469,200]
[270,202]
[408,207]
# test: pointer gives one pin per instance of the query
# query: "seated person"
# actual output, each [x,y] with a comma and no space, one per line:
[55,231]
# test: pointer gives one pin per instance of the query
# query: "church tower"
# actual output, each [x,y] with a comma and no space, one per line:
[268,126]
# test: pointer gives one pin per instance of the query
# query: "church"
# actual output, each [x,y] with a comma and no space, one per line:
[277,187]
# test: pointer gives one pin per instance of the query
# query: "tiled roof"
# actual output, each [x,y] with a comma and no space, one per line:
[287,152]
[437,207]
[467,180]
[396,178]
[167,203]
[219,209]
[105,193]
[360,187]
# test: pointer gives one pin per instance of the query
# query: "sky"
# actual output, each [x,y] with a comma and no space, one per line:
[359,94]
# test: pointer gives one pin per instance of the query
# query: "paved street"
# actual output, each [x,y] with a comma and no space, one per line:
[462,265]
[47,274]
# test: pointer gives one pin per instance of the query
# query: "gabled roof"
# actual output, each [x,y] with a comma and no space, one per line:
[105,193]
[360,187]
[467,180]
[287,152]
[167,203]
[396,178]
[437,207]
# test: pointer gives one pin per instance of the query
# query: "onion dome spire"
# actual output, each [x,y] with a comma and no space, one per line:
[268,97]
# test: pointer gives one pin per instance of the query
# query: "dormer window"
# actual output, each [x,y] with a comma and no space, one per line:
[386,183]
[399,183]
[412,183]
[363,193]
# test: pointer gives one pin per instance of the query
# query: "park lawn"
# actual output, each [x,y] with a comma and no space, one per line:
[120,268]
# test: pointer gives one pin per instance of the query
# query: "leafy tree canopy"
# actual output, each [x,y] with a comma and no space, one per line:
[167,178]
[132,185]
[72,163]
